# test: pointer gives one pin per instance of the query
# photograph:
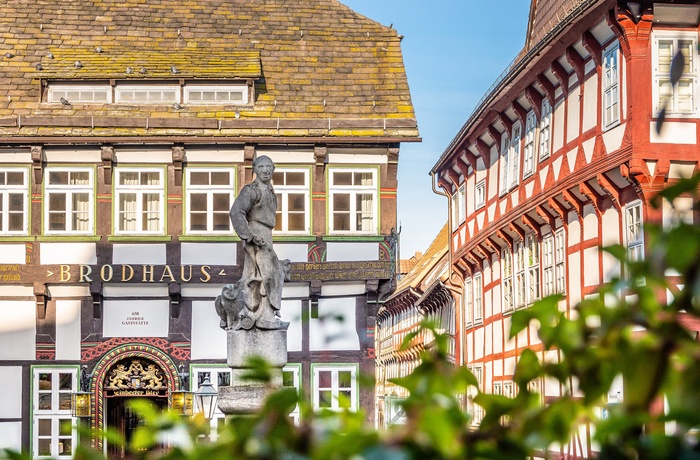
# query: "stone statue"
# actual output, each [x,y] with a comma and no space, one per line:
[255,300]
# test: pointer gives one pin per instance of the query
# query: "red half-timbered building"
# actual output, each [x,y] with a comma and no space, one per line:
[560,157]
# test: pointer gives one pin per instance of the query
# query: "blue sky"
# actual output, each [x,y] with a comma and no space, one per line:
[453,51]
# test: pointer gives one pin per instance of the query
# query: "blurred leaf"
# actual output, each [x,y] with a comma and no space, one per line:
[677,66]
[660,119]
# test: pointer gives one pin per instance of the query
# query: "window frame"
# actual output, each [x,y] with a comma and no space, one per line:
[478,297]
[69,190]
[208,190]
[611,77]
[469,301]
[544,135]
[530,147]
[515,155]
[504,166]
[353,191]
[65,87]
[218,418]
[532,266]
[242,88]
[283,191]
[507,280]
[635,248]
[560,261]
[480,194]
[139,191]
[5,191]
[548,265]
[354,370]
[476,411]
[55,414]
[658,75]
[121,88]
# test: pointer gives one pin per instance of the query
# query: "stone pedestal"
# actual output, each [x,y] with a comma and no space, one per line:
[247,397]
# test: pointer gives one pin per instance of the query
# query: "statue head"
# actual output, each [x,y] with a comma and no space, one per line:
[263,167]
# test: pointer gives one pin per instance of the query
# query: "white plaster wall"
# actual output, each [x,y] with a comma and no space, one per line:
[488,339]
[679,170]
[293,252]
[342,289]
[497,335]
[469,340]
[15,156]
[328,332]
[152,156]
[208,339]
[590,223]
[204,155]
[148,254]
[351,251]
[479,343]
[18,330]
[155,312]
[208,253]
[11,435]
[135,290]
[590,103]
[534,337]
[9,290]
[72,155]
[291,312]
[610,236]
[359,158]
[574,232]
[295,290]
[201,290]
[68,329]
[573,271]
[509,366]
[613,138]
[573,116]
[497,368]
[11,389]
[674,132]
[12,254]
[509,343]
[57,291]
[558,126]
[286,157]
[591,275]
[68,253]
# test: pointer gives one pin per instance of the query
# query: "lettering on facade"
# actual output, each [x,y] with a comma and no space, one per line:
[136,393]
[10,272]
[135,319]
[127,273]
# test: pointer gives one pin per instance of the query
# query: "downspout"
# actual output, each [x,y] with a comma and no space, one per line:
[456,288]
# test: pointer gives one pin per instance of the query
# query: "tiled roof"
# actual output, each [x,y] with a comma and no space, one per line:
[320,69]
[545,15]
[429,267]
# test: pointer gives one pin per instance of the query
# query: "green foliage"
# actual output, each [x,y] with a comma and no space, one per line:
[628,330]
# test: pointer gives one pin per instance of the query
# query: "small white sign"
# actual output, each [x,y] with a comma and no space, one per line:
[142,318]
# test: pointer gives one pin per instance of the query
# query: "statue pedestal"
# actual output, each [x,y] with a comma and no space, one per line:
[247,397]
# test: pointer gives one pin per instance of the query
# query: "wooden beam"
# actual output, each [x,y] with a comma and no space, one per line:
[593,47]
[520,112]
[561,75]
[506,122]
[535,226]
[576,62]
[610,188]
[535,99]
[485,152]
[547,87]
[496,135]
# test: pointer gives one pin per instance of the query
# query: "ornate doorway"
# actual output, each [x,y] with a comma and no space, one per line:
[128,380]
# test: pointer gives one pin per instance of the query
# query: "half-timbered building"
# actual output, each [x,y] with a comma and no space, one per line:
[561,156]
[126,131]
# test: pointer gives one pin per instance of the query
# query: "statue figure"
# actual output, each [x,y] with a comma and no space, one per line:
[255,300]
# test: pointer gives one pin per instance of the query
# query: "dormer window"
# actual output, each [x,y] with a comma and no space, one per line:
[147,94]
[216,94]
[81,93]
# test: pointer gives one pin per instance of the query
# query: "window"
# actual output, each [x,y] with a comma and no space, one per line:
[559,258]
[53,433]
[548,265]
[218,377]
[80,93]
[681,98]
[216,94]
[292,190]
[13,201]
[335,387]
[478,295]
[462,204]
[635,234]
[505,167]
[507,268]
[529,151]
[533,268]
[468,300]
[480,195]
[147,94]
[291,378]
[545,129]
[139,196]
[515,157]
[209,198]
[353,200]
[454,212]
[611,86]
[476,411]
[69,199]
[520,281]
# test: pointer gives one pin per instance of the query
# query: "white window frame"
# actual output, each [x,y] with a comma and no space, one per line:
[353,191]
[507,280]
[475,410]
[120,90]
[478,315]
[140,191]
[530,149]
[480,194]
[661,75]
[468,301]
[5,192]
[545,133]
[216,89]
[634,230]
[515,156]
[519,275]
[462,203]
[283,193]
[69,190]
[611,95]
[54,415]
[295,371]
[532,247]
[560,261]
[209,190]
[454,212]
[78,93]
[505,163]
[548,284]
[219,418]
[335,388]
